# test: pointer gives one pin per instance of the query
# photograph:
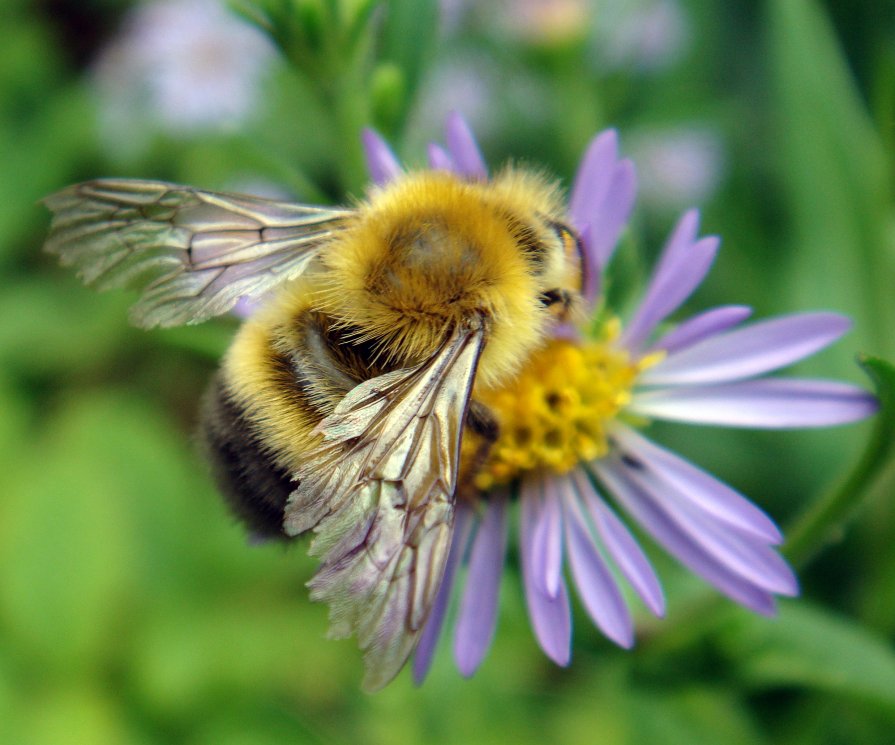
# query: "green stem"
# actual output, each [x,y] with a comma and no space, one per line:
[827,518]
[344,93]
[351,115]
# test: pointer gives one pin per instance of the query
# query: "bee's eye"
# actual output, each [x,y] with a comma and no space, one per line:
[550,298]
[557,302]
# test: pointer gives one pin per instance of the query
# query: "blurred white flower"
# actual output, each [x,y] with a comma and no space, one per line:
[543,22]
[643,35]
[452,14]
[677,166]
[182,66]
[464,83]
[647,35]
[479,86]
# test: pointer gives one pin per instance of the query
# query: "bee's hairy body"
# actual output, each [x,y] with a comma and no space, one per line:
[418,259]
[344,400]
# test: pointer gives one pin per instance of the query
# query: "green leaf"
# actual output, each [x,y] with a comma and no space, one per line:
[832,169]
[208,340]
[690,716]
[63,558]
[408,39]
[296,26]
[828,517]
[13,422]
[358,14]
[266,723]
[9,704]
[808,646]
[104,480]
[245,641]
[66,328]
[388,95]
[78,713]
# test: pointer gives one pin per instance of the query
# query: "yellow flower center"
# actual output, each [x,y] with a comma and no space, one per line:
[554,414]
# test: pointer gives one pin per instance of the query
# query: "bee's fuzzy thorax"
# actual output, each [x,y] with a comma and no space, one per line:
[431,250]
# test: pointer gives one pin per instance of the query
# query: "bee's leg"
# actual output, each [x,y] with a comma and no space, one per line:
[254,486]
[483,427]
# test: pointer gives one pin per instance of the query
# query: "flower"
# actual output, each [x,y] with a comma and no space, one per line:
[647,36]
[185,65]
[570,440]
[678,165]
[550,23]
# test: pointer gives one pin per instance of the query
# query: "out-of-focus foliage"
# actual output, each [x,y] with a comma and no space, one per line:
[133,610]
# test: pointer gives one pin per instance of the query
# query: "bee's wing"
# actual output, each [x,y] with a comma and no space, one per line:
[194,253]
[380,497]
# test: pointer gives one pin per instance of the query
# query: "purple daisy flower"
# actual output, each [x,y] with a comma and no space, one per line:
[585,399]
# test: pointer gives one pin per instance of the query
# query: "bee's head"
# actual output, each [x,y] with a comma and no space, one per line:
[554,253]
[431,251]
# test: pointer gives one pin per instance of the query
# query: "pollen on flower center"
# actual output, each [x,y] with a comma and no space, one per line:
[555,413]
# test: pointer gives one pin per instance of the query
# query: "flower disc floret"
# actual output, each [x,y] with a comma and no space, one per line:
[555,414]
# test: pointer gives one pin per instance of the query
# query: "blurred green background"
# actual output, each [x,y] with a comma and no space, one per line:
[132,609]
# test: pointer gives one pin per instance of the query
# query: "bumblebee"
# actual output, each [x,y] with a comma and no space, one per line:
[342,403]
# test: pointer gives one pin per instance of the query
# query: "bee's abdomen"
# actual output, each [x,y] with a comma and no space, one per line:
[254,486]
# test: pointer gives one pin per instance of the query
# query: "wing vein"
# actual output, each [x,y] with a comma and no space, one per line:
[163,238]
[383,525]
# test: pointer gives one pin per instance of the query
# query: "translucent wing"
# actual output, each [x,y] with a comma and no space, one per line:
[380,497]
[194,253]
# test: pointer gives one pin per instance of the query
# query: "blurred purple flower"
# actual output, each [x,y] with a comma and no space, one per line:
[678,165]
[643,35]
[183,66]
[704,370]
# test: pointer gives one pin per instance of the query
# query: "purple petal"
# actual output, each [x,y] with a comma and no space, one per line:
[683,265]
[600,205]
[702,326]
[597,588]
[425,651]
[614,212]
[593,178]
[753,561]
[439,160]
[622,547]
[478,610]
[750,558]
[742,554]
[566,331]
[643,509]
[547,539]
[779,403]
[246,306]
[381,161]
[747,352]
[702,489]
[551,618]
[463,148]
